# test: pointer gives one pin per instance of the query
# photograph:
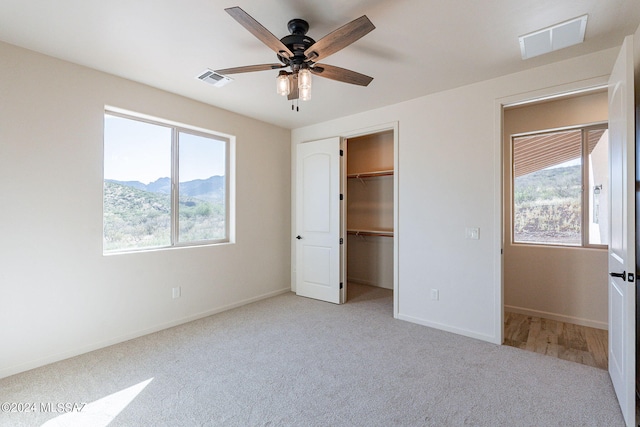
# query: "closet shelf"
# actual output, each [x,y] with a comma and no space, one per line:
[370,174]
[377,233]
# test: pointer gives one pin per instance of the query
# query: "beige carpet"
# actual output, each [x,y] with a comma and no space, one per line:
[292,361]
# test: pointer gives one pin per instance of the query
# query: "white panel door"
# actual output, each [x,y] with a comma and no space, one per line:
[622,263]
[318,220]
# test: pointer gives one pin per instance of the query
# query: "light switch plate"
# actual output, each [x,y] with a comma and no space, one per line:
[472,233]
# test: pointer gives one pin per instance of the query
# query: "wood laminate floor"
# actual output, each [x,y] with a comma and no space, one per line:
[566,341]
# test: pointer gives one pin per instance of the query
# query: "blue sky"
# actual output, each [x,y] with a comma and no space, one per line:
[140,151]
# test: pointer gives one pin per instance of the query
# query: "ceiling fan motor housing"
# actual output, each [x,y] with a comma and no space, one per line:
[297,42]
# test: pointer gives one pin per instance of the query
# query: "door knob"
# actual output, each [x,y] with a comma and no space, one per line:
[622,275]
[298,237]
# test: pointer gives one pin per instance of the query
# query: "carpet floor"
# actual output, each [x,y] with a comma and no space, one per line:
[292,361]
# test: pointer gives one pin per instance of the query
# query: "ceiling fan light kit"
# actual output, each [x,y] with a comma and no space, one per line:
[282,83]
[300,54]
[304,84]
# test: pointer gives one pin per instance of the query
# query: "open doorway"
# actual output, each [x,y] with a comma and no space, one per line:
[369,215]
[346,204]
[555,255]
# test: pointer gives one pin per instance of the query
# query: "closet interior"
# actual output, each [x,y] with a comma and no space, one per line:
[370,234]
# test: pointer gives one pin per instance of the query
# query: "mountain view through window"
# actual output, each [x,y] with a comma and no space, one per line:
[143,208]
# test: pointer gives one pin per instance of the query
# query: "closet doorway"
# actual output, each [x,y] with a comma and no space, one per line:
[346,203]
[370,177]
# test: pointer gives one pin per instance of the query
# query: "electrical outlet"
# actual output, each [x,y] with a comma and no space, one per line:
[435,295]
[176,292]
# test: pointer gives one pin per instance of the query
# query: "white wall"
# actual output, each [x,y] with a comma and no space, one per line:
[568,284]
[450,178]
[59,296]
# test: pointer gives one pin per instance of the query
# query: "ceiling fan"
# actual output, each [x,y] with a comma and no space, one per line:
[300,53]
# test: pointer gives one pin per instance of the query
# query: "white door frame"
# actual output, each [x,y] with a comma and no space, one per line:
[596,83]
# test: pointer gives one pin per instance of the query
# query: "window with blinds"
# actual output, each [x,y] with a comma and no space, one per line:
[560,185]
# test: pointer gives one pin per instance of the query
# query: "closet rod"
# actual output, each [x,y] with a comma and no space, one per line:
[370,233]
[370,174]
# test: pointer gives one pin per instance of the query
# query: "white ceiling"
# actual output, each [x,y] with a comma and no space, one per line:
[418,46]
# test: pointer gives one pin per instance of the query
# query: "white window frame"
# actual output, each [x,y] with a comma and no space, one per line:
[584,202]
[176,129]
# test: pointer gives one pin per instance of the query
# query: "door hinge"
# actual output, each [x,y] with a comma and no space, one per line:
[340,285]
[341,240]
[341,153]
[342,197]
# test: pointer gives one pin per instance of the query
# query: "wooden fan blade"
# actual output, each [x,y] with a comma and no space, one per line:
[261,33]
[250,68]
[339,39]
[341,74]
[293,87]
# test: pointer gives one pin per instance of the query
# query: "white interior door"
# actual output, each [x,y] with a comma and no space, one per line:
[622,261]
[318,220]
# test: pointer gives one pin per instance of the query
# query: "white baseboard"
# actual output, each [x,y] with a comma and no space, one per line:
[464,332]
[36,363]
[558,317]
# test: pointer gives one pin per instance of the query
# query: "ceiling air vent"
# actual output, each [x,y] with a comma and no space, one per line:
[553,38]
[213,78]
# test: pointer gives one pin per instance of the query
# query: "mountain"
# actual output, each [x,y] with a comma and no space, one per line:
[134,217]
[133,184]
[211,189]
[549,184]
[547,206]
[161,185]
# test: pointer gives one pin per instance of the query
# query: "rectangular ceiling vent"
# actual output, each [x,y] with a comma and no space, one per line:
[556,37]
[213,78]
